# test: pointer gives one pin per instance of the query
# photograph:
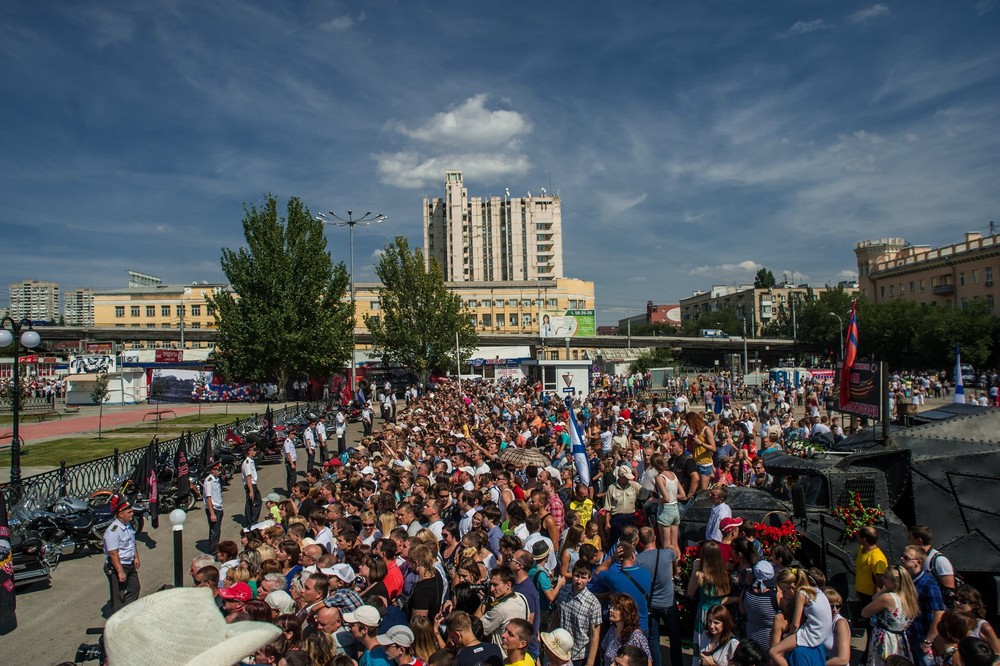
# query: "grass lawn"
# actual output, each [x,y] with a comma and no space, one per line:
[73,450]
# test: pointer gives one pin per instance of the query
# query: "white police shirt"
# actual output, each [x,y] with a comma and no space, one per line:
[249,469]
[212,490]
[289,448]
[121,537]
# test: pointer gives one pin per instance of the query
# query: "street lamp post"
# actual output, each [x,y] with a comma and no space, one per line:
[567,347]
[29,339]
[350,222]
[841,322]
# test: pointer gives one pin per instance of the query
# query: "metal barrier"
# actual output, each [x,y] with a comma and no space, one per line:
[84,478]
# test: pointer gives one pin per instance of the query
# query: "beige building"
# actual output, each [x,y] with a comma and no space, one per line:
[494,239]
[163,306]
[757,306]
[78,307]
[34,300]
[499,307]
[956,275]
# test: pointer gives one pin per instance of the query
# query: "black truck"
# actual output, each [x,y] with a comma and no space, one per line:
[944,474]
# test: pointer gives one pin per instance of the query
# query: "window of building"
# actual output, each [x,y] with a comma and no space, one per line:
[210,310]
[472,304]
[892,290]
[512,318]
[989,301]
[988,275]
[195,310]
[500,321]
[961,279]
[525,320]
[120,325]
[150,325]
[119,310]
[487,320]
[472,320]
[975,277]
[552,303]
[376,305]
[911,286]
[180,310]
[196,324]
[150,310]
[512,302]
[164,310]
[962,304]
[526,303]
[921,286]
[134,310]
[498,303]
[136,325]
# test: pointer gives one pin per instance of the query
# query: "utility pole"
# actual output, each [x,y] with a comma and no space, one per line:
[745,357]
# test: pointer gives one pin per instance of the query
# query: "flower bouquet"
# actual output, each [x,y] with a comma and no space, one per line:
[771,536]
[685,565]
[804,449]
[855,515]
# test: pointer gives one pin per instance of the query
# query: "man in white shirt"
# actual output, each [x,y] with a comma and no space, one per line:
[720,510]
[291,457]
[321,439]
[248,472]
[212,494]
[309,441]
[341,427]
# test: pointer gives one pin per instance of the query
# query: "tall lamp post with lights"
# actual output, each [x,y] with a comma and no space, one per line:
[841,323]
[350,222]
[29,339]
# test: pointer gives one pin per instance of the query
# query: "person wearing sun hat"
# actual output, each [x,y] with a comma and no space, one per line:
[181,627]
[121,563]
[558,645]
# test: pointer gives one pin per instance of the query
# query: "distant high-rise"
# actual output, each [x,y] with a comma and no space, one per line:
[34,300]
[497,239]
[78,307]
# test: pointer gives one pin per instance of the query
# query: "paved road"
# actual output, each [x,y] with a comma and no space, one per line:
[53,619]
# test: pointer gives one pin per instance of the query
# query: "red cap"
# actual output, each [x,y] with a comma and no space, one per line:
[237,592]
[119,504]
[333,462]
[730,524]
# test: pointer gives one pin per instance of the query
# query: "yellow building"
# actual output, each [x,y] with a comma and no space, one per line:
[500,307]
[178,307]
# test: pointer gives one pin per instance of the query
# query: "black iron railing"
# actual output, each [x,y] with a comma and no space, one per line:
[84,478]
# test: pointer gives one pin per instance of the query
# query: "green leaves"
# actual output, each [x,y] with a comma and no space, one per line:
[286,313]
[419,316]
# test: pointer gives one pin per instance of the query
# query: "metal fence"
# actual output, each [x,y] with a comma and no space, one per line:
[84,478]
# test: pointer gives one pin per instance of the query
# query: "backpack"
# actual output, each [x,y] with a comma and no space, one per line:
[947,593]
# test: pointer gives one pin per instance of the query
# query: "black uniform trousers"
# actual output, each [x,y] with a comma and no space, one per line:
[251,512]
[125,593]
[214,530]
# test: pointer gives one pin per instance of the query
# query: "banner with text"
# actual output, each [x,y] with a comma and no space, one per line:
[567,324]
[867,387]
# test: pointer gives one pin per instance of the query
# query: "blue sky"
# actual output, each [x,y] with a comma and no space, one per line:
[691,142]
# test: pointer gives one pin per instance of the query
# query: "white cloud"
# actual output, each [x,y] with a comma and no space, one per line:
[746,266]
[847,275]
[869,13]
[471,124]
[408,169]
[341,23]
[804,27]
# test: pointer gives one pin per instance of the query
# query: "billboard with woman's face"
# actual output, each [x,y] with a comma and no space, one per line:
[567,324]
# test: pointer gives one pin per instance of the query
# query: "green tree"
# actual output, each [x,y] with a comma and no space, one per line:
[660,357]
[419,315]
[99,394]
[764,279]
[285,313]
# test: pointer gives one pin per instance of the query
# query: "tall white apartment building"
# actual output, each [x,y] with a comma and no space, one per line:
[494,239]
[78,307]
[34,300]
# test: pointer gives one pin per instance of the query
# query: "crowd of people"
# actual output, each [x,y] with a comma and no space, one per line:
[432,541]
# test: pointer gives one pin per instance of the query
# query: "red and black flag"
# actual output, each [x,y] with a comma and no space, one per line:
[850,355]
[182,468]
[8,602]
[144,480]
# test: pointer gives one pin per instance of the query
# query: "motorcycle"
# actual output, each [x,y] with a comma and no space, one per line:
[169,485]
[99,503]
[34,557]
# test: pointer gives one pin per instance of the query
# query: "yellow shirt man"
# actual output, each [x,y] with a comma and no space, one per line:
[869,567]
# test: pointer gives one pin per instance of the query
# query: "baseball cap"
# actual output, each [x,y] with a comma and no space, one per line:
[366,615]
[237,592]
[272,497]
[730,524]
[399,635]
[342,571]
[626,471]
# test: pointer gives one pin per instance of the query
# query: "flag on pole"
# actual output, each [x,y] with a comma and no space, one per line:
[850,354]
[8,601]
[182,468]
[959,385]
[144,480]
[576,446]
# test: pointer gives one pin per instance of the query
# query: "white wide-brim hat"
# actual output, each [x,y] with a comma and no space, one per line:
[181,627]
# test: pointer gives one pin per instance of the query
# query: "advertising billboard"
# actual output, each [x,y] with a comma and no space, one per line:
[567,324]
[867,388]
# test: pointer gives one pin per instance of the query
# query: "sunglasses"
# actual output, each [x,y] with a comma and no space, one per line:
[367,524]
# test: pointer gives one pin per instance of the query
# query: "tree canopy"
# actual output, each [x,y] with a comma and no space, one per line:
[419,315]
[764,279]
[285,314]
[724,319]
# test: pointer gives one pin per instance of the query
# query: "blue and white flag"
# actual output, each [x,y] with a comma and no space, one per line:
[959,386]
[576,446]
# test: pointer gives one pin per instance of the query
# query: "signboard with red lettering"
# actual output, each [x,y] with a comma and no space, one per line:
[169,356]
[867,387]
[100,347]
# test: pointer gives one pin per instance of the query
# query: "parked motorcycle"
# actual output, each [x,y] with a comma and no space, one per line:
[99,502]
[34,557]
[169,485]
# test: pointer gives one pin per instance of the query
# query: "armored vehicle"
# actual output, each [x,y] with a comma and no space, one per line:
[943,474]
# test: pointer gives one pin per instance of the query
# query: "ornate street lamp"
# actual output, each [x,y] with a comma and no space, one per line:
[29,339]
[350,222]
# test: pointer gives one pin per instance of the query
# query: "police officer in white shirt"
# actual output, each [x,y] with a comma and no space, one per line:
[212,493]
[309,441]
[341,430]
[321,439]
[288,448]
[248,471]
[121,559]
